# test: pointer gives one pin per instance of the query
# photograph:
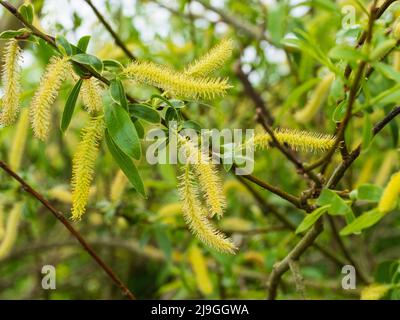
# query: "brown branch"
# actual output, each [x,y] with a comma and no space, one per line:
[115,36]
[75,233]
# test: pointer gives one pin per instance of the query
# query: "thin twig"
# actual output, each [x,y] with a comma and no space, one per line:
[75,233]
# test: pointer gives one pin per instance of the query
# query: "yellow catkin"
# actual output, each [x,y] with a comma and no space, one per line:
[212,60]
[118,186]
[374,291]
[19,141]
[209,180]
[50,84]
[390,194]
[296,139]
[91,93]
[366,172]
[390,160]
[11,81]
[176,83]
[396,61]
[83,165]
[200,270]
[11,231]
[318,97]
[196,217]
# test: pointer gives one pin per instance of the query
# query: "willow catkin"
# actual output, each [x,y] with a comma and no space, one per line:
[2,230]
[91,93]
[11,81]
[55,74]
[200,270]
[374,291]
[176,83]
[83,165]
[19,141]
[296,139]
[212,60]
[196,217]
[209,180]
[390,194]
[11,231]
[390,160]
[118,186]
[317,98]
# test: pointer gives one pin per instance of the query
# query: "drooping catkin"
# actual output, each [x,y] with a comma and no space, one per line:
[176,83]
[200,270]
[92,95]
[19,140]
[55,74]
[374,291]
[390,194]
[296,139]
[83,165]
[118,186]
[207,175]
[317,98]
[196,217]
[212,60]
[11,81]
[11,231]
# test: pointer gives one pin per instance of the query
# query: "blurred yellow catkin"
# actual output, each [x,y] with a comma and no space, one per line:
[200,270]
[11,78]
[390,161]
[83,165]
[55,73]
[19,141]
[374,291]
[366,172]
[390,194]
[317,98]
[11,231]
[215,58]
[2,230]
[118,186]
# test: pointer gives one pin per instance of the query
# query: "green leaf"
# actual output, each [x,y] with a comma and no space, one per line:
[163,241]
[126,164]
[27,11]
[347,53]
[311,218]
[382,48]
[190,124]
[139,128]
[122,130]
[110,63]
[70,105]
[362,222]
[63,45]
[10,34]
[83,43]
[367,132]
[337,206]
[89,60]
[144,112]
[117,93]
[369,192]
[387,71]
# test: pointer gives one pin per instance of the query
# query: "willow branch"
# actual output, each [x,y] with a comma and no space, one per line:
[75,233]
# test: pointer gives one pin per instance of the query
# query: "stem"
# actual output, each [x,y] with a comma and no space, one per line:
[75,233]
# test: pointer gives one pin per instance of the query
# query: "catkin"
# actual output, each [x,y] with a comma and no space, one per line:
[374,291]
[212,60]
[11,80]
[83,165]
[1,221]
[175,83]
[200,270]
[208,178]
[390,194]
[19,141]
[318,97]
[92,95]
[196,217]
[50,84]
[11,231]
[118,186]
[296,139]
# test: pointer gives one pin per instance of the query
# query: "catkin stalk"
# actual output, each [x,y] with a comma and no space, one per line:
[11,80]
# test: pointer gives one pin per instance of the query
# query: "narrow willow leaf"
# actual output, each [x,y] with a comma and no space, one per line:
[311,218]
[27,11]
[126,165]
[89,60]
[70,105]
[83,43]
[117,93]
[10,34]
[337,206]
[362,222]
[122,130]
[144,112]
[110,63]
[63,45]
